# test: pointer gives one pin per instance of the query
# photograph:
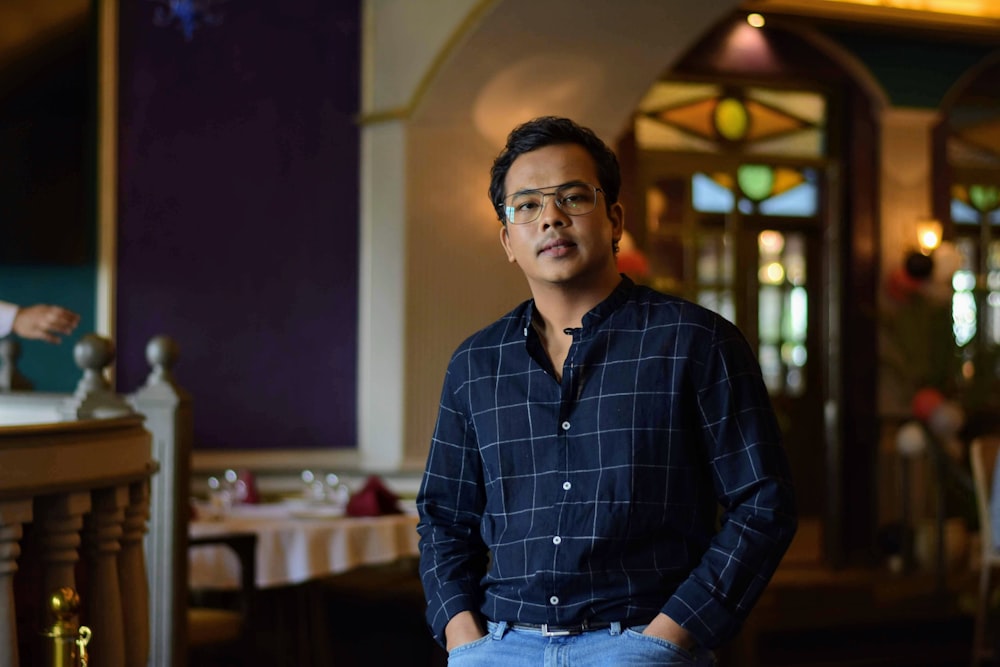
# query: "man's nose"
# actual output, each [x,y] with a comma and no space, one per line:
[552,215]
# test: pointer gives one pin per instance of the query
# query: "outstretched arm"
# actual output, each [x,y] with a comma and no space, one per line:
[45,322]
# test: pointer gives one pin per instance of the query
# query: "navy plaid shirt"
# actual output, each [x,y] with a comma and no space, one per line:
[596,498]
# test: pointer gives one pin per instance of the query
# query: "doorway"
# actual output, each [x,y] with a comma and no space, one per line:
[734,188]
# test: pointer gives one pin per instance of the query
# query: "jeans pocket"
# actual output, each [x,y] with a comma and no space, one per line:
[678,655]
[470,645]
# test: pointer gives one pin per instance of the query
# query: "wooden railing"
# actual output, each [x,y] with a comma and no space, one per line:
[94,497]
[84,488]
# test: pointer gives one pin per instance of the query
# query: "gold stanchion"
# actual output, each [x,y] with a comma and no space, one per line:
[65,640]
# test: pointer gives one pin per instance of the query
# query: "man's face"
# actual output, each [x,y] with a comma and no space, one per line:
[557,248]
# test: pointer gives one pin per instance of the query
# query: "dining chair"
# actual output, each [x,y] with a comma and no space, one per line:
[220,624]
[983,460]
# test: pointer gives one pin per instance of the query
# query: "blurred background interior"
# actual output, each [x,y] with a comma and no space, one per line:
[295,194]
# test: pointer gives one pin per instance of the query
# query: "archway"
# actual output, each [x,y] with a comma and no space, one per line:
[590,61]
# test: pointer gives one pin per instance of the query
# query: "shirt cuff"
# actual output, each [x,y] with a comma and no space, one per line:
[438,618]
[7,313]
[697,611]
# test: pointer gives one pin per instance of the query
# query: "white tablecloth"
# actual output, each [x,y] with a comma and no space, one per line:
[296,544]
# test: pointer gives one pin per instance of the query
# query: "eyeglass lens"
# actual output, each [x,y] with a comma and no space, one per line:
[572,199]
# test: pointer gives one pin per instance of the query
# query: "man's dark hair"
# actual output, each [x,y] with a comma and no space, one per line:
[550,131]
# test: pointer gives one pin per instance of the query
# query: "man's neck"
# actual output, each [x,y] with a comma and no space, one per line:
[561,307]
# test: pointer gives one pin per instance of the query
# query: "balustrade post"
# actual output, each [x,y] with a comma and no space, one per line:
[13,516]
[58,523]
[94,398]
[168,413]
[102,530]
[132,577]
[10,377]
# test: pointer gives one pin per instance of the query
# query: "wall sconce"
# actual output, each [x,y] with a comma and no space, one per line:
[928,235]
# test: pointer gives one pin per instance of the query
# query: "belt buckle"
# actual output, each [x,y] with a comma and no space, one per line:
[561,632]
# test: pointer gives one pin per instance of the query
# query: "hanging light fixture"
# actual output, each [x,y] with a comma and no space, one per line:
[187,15]
[928,235]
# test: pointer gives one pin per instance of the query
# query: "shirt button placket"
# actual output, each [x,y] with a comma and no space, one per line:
[557,540]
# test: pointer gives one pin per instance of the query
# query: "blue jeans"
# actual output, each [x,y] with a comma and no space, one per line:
[614,647]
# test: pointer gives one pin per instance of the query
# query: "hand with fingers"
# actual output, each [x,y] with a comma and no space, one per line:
[45,322]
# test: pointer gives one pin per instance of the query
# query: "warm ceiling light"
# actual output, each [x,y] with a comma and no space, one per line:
[756,20]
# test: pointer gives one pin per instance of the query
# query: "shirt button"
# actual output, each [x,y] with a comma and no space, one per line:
[567,486]
[556,540]
[565,426]
[554,600]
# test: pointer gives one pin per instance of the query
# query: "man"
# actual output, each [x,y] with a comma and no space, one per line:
[585,442]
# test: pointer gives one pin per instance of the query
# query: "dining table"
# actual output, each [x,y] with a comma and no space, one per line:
[297,541]
[305,551]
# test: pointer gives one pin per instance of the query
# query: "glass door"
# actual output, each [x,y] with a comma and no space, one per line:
[734,205]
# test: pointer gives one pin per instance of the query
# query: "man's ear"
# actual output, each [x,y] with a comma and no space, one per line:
[616,213]
[505,242]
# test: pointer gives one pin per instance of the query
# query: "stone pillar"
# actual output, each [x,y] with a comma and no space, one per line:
[381,302]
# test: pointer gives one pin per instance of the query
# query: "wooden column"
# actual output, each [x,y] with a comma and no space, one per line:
[132,576]
[13,515]
[102,534]
[58,521]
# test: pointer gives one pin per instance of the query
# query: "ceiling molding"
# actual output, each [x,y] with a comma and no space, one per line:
[883,16]
[28,25]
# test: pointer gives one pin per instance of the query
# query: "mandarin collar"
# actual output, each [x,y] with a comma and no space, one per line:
[598,313]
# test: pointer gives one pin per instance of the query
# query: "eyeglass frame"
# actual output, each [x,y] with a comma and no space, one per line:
[504,208]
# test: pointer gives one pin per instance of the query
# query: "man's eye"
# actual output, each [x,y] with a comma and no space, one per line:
[526,205]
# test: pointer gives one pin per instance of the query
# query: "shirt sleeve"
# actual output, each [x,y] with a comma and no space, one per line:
[7,313]
[451,500]
[752,482]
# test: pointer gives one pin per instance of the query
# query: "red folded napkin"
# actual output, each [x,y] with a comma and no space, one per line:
[246,487]
[373,499]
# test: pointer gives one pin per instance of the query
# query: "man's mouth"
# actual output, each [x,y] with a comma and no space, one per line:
[556,247]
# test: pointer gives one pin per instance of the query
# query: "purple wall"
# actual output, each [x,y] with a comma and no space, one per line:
[238,216]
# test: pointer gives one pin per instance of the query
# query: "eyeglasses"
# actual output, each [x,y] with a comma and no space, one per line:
[526,206]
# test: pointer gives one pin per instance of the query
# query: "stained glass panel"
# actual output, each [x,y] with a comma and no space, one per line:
[710,197]
[731,119]
[695,116]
